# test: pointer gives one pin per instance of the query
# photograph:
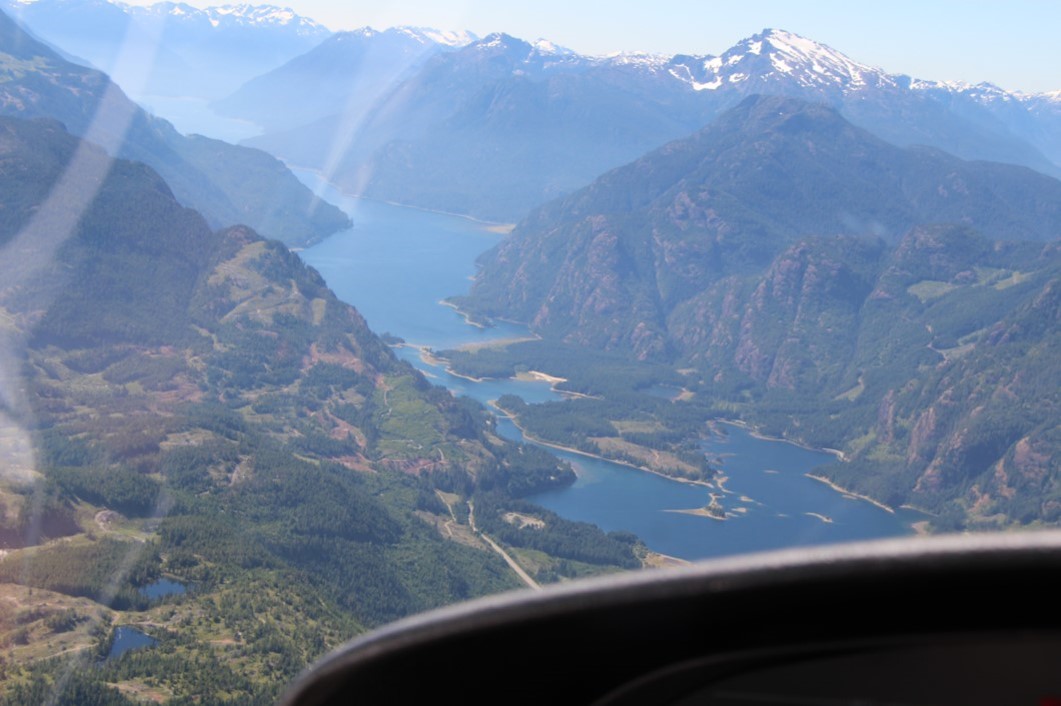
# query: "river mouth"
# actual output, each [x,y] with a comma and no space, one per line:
[397,265]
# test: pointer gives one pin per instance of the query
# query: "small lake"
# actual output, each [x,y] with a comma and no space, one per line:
[162,588]
[127,639]
[396,264]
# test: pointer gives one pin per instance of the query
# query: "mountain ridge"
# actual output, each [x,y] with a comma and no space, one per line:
[363,62]
[897,304]
[724,201]
[503,100]
[172,49]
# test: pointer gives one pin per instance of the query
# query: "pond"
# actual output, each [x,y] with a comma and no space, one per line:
[127,638]
[162,588]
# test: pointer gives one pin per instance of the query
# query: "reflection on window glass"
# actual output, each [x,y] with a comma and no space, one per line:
[308,325]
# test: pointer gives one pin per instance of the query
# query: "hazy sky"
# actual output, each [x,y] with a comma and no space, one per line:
[1014,44]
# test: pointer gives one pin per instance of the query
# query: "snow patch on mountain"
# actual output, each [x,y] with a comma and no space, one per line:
[544,46]
[424,36]
[230,16]
[777,55]
[442,37]
[637,59]
[264,15]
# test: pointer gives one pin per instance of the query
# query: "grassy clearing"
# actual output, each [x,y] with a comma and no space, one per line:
[660,461]
[929,290]
[638,427]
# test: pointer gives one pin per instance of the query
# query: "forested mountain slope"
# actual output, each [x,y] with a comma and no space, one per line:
[608,265]
[199,405]
[228,184]
[900,305]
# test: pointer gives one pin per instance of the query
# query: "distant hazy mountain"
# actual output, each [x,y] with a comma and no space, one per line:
[493,129]
[172,49]
[900,109]
[899,304]
[1034,118]
[501,124]
[228,184]
[346,74]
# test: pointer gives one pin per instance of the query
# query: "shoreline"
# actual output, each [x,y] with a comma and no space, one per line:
[496,227]
[758,434]
[464,315]
[428,356]
[432,358]
[712,510]
[659,560]
[476,346]
[845,491]
[700,512]
[587,454]
[917,527]
[538,376]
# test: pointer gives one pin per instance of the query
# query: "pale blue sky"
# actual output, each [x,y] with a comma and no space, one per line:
[1015,44]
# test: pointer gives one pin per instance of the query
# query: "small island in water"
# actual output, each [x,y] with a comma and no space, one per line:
[713,510]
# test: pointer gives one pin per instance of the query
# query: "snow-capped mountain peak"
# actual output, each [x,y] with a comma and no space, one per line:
[424,36]
[263,15]
[230,16]
[496,40]
[637,59]
[790,52]
[544,46]
[983,93]
[436,36]
[776,55]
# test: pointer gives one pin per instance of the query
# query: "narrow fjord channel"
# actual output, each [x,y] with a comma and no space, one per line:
[396,265]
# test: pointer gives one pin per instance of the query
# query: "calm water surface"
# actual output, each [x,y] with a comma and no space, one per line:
[396,264]
[163,588]
[126,639]
[195,116]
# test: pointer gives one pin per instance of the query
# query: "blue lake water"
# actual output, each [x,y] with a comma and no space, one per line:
[766,497]
[195,116]
[396,264]
[162,588]
[126,639]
